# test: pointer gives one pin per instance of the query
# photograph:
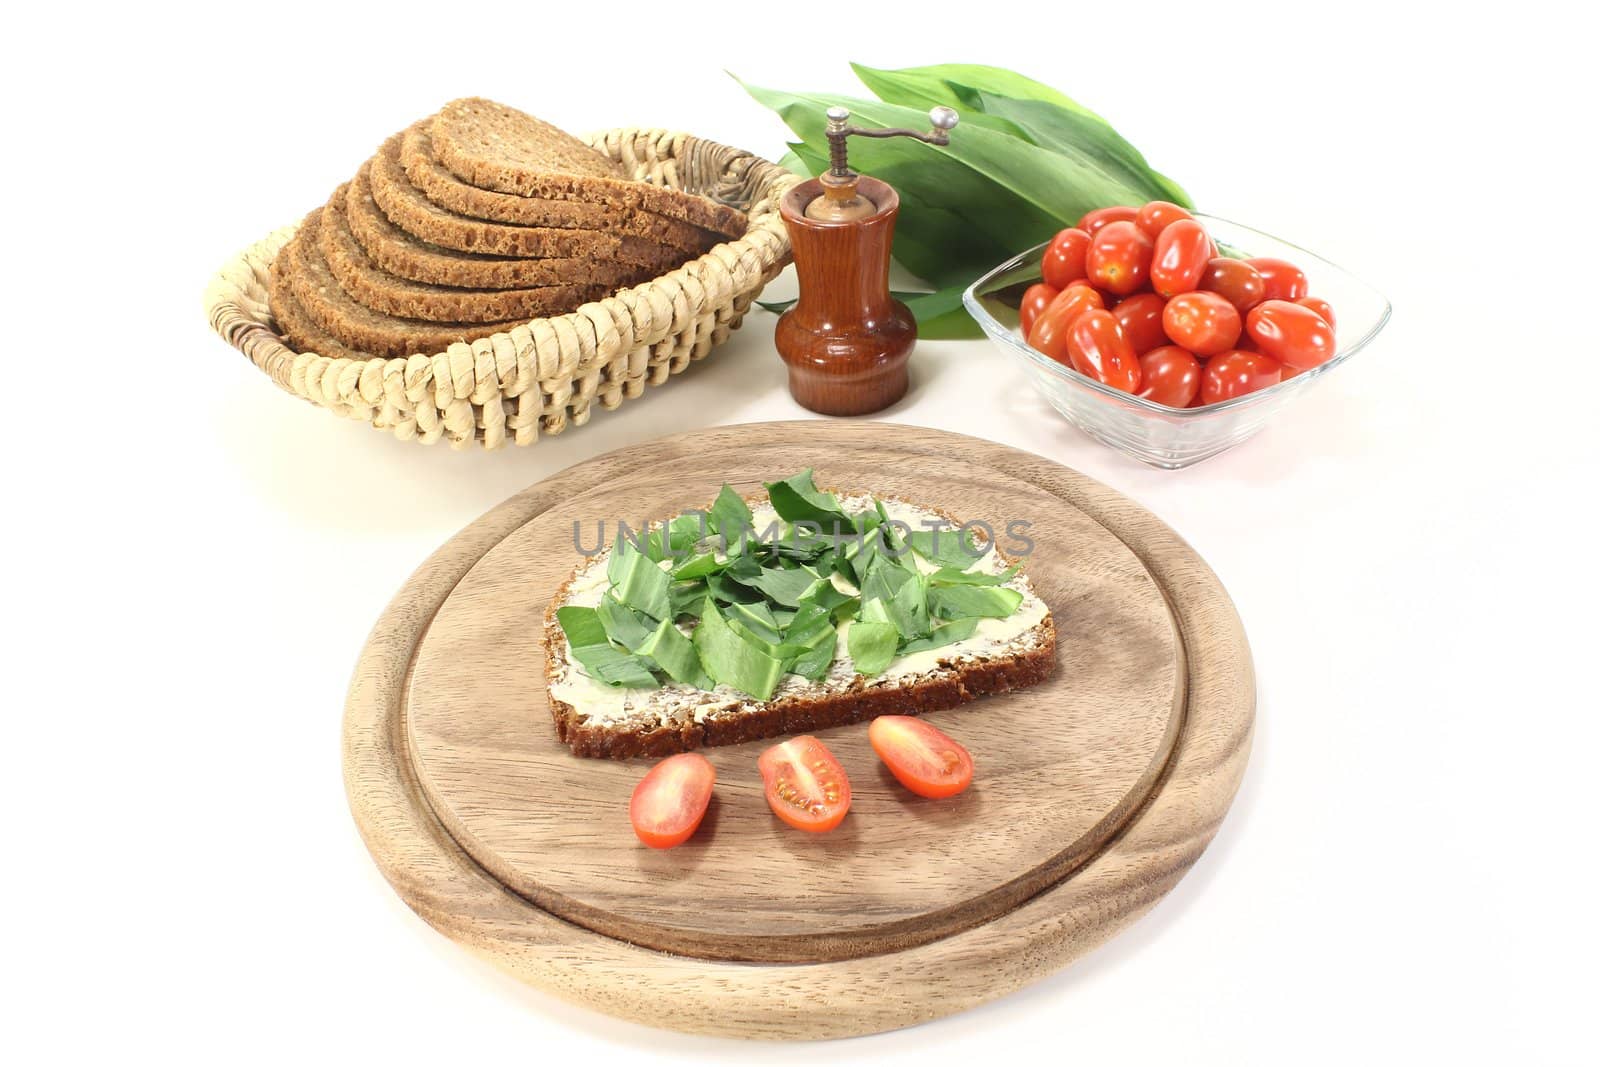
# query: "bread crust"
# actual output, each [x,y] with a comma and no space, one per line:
[404,256]
[409,209]
[951,683]
[439,184]
[379,290]
[294,325]
[496,147]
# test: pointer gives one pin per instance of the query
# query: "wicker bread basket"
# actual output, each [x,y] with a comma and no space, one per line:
[550,372]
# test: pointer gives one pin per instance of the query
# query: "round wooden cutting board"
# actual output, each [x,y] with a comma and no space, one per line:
[1095,790]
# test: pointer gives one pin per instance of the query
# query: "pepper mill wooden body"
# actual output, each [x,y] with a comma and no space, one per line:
[846,341]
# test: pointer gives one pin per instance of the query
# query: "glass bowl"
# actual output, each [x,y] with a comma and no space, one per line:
[1153,433]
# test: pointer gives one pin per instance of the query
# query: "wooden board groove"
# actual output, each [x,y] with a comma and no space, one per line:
[958,957]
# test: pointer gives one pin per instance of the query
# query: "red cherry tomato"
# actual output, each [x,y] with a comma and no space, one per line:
[669,802]
[1291,334]
[1140,318]
[1170,376]
[1283,280]
[1321,307]
[1034,301]
[1049,333]
[805,785]
[1236,373]
[1182,253]
[924,758]
[1119,258]
[1098,350]
[1203,323]
[1094,220]
[1157,215]
[1063,258]
[1235,281]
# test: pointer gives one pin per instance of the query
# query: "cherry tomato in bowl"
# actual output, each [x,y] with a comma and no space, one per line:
[1236,373]
[669,802]
[1321,307]
[1092,221]
[1049,332]
[1235,281]
[1291,334]
[805,785]
[1170,375]
[1203,323]
[1063,259]
[1157,215]
[1180,257]
[1140,317]
[1282,279]
[1034,300]
[1098,350]
[1118,259]
[922,757]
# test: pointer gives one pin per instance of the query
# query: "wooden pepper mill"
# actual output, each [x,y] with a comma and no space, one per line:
[846,340]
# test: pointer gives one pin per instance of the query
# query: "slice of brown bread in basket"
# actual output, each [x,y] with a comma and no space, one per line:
[369,284]
[405,256]
[355,325]
[497,147]
[413,212]
[441,185]
[294,325]
[678,718]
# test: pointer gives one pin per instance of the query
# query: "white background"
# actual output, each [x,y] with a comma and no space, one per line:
[195,558]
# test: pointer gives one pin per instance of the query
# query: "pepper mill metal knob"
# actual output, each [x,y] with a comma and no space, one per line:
[840,201]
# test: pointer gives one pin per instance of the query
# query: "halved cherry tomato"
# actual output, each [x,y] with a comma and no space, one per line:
[1236,373]
[1283,280]
[1049,333]
[1203,323]
[1235,281]
[1035,300]
[1291,334]
[1118,260]
[1170,375]
[924,758]
[1182,253]
[1321,307]
[1063,258]
[1157,215]
[1140,318]
[670,801]
[805,785]
[1098,349]
[1092,221]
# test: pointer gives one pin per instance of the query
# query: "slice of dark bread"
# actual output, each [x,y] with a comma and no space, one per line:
[369,284]
[413,212]
[294,325]
[357,326]
[497,147]
[441,185]
[405,256]
[678,718]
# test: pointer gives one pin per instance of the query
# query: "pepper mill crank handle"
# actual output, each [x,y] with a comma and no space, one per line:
[941,119]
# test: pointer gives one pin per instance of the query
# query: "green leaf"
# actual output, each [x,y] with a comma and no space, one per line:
[757,619]
[599,660]
[675,654]
[730,659]
[972,601]
[638,582]
[948,634]
[727,591]
[909,608]
[797,499]
[957,85]
[730,516]
[816,654]
[686,597]
[871,645]
[952,576]
[697,567]
[786,586]
[948,547]
[623,625]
